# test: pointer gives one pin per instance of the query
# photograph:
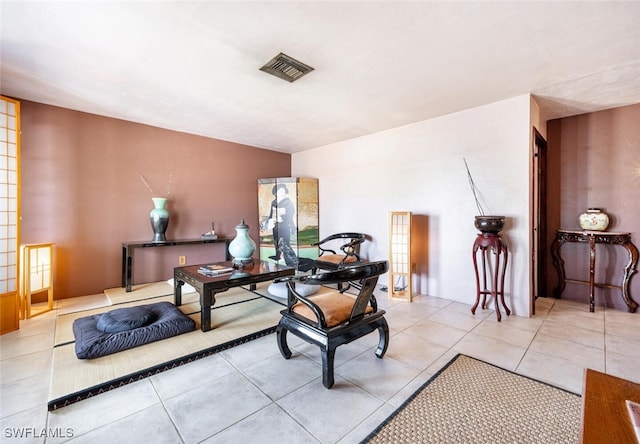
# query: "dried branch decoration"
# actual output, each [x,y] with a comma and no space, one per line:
[472,184]
[150,188]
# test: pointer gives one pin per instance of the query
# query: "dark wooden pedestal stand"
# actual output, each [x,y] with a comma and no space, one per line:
[488,243]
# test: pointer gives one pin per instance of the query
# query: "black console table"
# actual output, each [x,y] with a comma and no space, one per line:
[129,247]
[593,238]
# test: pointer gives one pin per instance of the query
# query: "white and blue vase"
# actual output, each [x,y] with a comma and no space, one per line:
[159,218]
[242,247]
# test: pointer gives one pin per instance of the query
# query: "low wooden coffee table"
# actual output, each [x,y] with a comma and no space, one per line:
[604,413]
[208,286]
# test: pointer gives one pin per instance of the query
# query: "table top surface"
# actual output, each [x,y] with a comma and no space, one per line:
[604,411]
[195,240]
[593,232]
[259,271]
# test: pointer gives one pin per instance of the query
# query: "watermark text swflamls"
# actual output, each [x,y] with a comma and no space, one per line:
[38,432]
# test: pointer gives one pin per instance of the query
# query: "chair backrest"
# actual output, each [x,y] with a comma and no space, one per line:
[349,235]
[347,274]
[352,247]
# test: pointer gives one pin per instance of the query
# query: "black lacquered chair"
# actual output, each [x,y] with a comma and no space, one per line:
[330,318]
[329,259]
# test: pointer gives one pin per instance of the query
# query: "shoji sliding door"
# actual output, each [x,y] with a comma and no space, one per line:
[9,212]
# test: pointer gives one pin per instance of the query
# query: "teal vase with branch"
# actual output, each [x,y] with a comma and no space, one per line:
[159,218]
[159,215]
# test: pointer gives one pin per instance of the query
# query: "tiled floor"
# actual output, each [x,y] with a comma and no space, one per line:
[250,394]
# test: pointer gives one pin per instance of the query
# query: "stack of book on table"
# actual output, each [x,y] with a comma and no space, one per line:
[214,270]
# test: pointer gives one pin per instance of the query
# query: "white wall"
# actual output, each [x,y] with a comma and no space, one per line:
[420,168]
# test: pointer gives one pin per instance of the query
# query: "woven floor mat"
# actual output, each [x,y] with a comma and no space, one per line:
[471,401]
[238,317]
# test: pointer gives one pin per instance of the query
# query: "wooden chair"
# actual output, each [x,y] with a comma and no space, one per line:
[330,317]
[328,259]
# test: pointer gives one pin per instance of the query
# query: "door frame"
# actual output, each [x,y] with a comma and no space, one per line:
[539,218]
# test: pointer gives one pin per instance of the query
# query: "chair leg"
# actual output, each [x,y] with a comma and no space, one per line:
[327,367]
[281,337]
[383,329]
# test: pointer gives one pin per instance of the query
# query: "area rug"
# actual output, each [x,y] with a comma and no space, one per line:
[240,315]
[470,401]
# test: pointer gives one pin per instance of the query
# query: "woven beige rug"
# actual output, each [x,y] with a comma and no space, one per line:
[472,402]
[239,316]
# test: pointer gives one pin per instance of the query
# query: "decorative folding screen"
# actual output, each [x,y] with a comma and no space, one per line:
[288,211]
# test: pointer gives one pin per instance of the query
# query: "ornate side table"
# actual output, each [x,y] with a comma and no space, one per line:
[486,243]
[593,238]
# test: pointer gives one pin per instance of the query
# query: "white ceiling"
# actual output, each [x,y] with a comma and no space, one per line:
[194,66]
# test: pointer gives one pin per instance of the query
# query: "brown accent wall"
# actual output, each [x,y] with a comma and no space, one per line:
[81,189]
[595,162]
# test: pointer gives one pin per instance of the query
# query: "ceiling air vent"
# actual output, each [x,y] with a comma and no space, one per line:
[286,68]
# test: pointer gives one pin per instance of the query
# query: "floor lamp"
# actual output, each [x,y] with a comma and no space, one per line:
[400,255]
[36,276]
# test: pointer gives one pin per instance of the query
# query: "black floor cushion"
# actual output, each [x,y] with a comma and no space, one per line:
[124,328]
[123,319]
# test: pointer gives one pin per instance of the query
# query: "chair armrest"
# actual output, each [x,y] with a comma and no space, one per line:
[325,250]
[321,248]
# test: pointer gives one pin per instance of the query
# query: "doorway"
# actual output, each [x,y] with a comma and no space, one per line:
[539,199]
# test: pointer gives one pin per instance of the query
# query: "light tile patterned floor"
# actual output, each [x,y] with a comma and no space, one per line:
[250,394]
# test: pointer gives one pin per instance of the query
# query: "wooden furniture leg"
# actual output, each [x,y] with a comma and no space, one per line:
[486,243]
